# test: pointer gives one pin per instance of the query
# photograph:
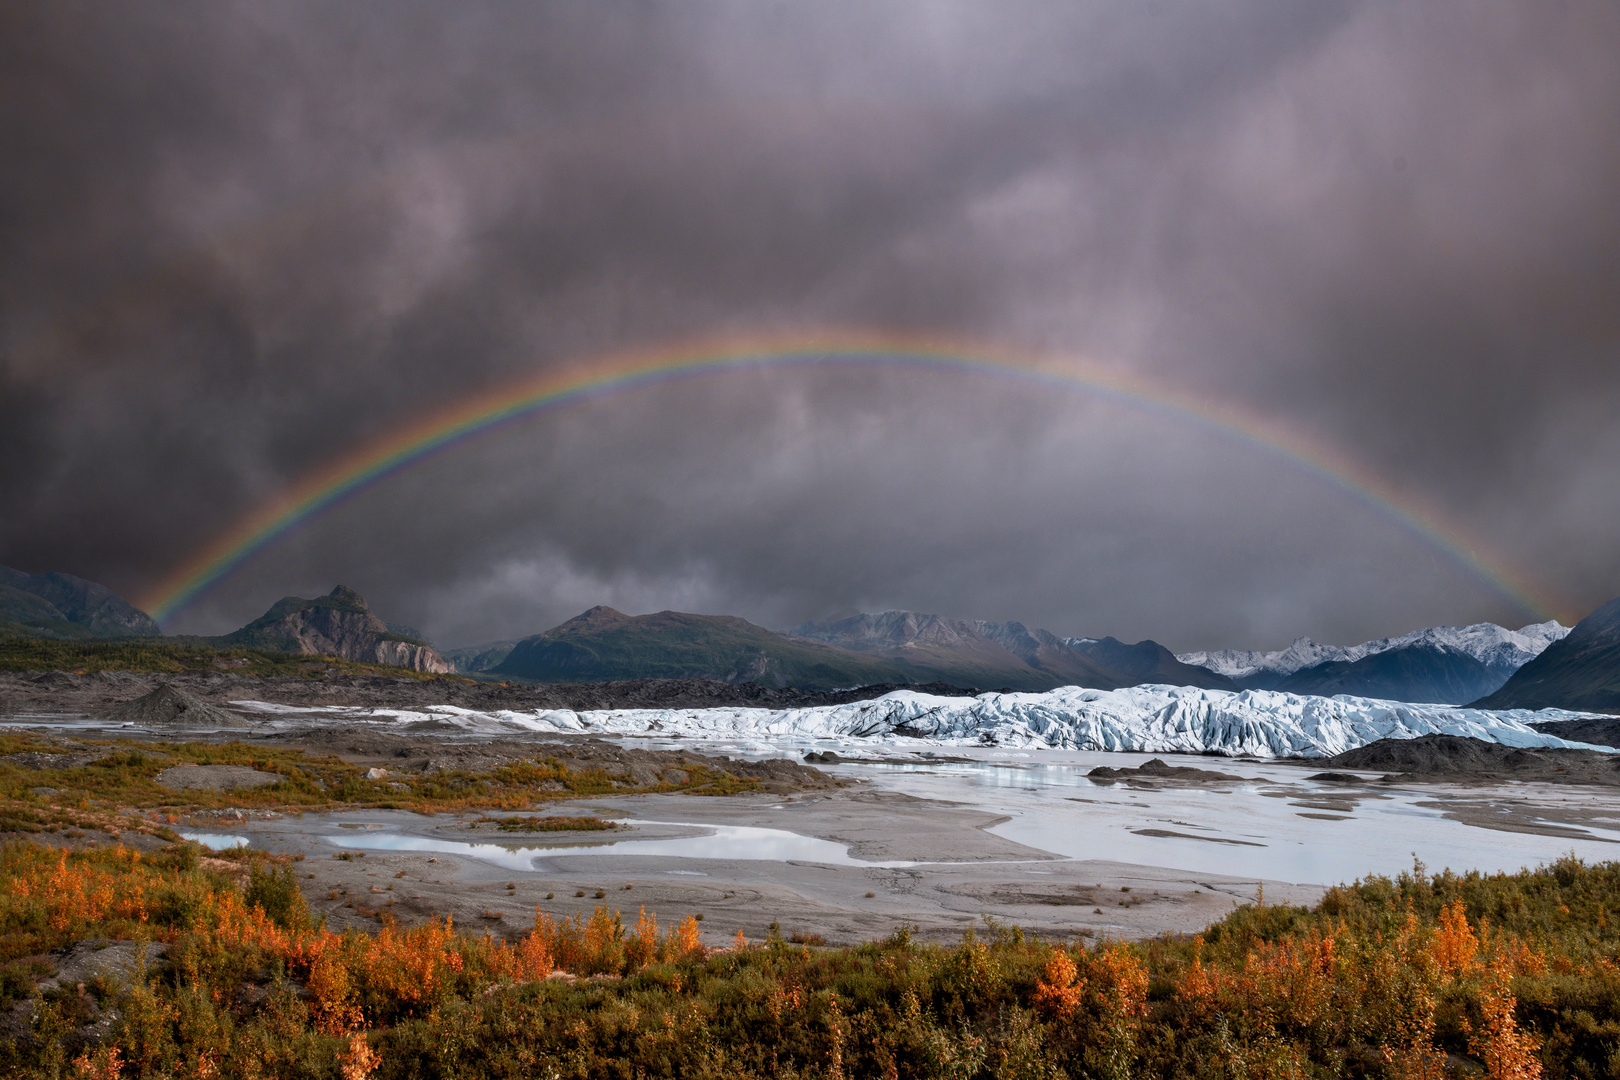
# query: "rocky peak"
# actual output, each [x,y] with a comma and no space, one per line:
[337,624]
[347,597]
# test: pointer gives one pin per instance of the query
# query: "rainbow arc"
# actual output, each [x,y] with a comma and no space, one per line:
[371,463]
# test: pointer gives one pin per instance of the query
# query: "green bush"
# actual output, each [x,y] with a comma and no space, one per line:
[274,890]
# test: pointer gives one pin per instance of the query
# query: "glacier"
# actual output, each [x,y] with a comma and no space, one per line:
[1146,719]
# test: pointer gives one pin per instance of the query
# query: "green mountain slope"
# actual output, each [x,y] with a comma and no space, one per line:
[987,654]
[1147,662]
[65,607]
[480,658]
[603,645]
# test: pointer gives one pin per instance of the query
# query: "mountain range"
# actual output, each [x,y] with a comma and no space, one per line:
[1008,654]
[604,645]
[1438,665]
[893,647]
[1442,665]
[1537,666]
[1488,643]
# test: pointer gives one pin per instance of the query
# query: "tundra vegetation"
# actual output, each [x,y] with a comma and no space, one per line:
[1420,976]
[1508,975]
[176,654]
[97,777]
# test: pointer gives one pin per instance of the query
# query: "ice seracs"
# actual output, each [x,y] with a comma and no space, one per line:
[1149,719]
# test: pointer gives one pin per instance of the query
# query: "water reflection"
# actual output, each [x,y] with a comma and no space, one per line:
[1245,829]
[721,842]
[217,841]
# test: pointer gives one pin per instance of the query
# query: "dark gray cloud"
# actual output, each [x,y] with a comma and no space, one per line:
[238,240]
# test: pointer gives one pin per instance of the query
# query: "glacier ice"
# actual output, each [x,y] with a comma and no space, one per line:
[1147,719]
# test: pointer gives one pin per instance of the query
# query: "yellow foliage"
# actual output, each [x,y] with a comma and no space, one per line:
[360,1061]
[1276,995]
[1456,948]
[105,1064]
[684,940]
[1201,987]
[1508,1053]
[642,947]
[535,958]
[1121,980]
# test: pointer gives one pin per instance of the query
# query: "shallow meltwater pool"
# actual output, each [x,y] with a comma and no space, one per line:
[1275,824]
[717,842]
[217,841]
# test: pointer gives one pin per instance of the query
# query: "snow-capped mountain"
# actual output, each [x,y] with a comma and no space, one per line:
[1149,719]
[1494,646]
[1241,664]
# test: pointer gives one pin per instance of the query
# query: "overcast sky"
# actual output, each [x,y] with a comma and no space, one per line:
[238,240]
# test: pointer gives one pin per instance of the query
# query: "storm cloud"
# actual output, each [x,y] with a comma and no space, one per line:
[238,241]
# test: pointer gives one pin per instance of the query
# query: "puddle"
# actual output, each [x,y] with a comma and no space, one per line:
[743,843]
[217,841]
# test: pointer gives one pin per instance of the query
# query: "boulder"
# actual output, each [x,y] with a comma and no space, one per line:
[215,778]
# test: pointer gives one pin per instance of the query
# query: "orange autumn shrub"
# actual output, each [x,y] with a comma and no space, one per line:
[1057,991]
[603,944]
[1118,982]
[563,939]
[534,955]
[1455,948]
[1121,981]
[360,1060]
[406,972]
[1295,983]
[1508,1052]
[1201,988]
[326,972]
[641,948]
[83,892]
[684,940]
[104,1064]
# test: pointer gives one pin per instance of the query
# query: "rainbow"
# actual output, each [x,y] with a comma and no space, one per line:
[369,464]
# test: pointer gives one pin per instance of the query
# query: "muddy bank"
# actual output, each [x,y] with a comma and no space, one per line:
[909,861]
[1451,758]
[1155,771]
[427,754]
[1598,730]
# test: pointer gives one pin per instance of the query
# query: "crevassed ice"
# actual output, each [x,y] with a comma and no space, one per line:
[1148,719]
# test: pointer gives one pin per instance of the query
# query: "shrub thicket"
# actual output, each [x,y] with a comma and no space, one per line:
[1507,976]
